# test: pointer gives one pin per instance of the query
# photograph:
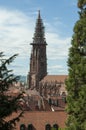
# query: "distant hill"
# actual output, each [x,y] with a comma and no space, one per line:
[23,78]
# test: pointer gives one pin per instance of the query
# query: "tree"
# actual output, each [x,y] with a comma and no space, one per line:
[76,82]
[8,103]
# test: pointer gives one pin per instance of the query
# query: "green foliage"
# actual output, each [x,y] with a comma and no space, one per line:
[76,82]
[63,129]
[53,128]
[81,3]
[8,103]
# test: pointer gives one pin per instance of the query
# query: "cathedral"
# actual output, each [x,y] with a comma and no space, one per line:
[37,76]
[38,59]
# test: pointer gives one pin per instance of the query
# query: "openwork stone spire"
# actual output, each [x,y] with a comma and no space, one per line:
[38,60]
[39,35]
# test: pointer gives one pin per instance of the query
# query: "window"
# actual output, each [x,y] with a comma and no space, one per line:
[56,102]
[55,126]
[30,127]
[48,127]
[64,99]
[63,94]
[49,101]
[22,127]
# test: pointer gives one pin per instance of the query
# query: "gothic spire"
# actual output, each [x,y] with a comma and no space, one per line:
[39,17]
[39,35]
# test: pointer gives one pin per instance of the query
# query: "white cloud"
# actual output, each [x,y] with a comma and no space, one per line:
[55,67]
[58,47]
[74,3]
[16,33]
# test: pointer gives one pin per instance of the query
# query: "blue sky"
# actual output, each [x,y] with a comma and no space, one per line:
[17,23]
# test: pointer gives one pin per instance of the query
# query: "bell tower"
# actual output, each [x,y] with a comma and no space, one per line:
[38,59]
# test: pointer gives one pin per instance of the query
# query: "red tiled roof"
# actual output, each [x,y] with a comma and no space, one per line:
[40,119]
[58,78]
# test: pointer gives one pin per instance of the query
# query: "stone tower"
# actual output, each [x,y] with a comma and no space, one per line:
[38,59]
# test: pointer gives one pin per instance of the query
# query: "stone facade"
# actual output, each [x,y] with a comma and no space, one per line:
[50,87]
[38,59]
[53,85]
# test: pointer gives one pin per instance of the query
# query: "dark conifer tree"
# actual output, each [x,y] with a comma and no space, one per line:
[76,82]
[8,103]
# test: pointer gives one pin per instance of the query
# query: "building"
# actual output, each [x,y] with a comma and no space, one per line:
[50,87]
[38,59]
[37,76]
[40,120]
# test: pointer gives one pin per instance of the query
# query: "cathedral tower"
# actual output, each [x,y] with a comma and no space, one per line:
[38,59]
